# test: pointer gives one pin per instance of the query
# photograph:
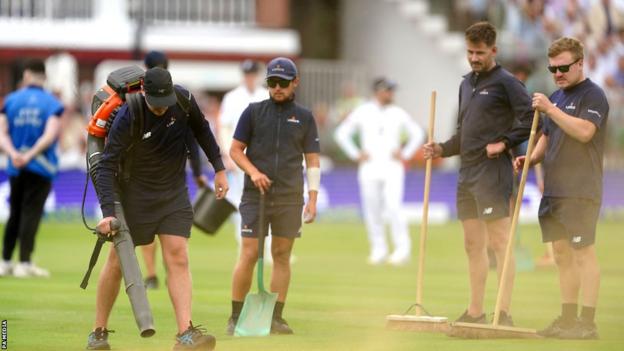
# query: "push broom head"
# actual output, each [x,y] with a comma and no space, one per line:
[406,322]
[489,331]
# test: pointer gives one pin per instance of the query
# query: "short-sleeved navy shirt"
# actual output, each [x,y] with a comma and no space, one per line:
[571,168]
[277,135]
[244,128]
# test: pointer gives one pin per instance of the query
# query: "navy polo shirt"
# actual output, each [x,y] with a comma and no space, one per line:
[493,106]
[157,184]
[277,136]
[572,168]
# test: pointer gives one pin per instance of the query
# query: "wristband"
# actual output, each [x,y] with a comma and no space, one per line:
[314,178]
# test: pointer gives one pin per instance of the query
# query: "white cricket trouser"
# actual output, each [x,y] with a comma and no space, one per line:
[382,198]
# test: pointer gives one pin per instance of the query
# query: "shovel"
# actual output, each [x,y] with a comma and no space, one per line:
[257,313]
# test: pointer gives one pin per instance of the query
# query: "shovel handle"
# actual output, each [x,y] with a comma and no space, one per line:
[261,236]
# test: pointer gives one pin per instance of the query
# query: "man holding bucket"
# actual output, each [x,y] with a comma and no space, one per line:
[270,142]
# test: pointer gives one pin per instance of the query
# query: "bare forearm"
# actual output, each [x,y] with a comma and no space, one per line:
[537,156]
[6,144]
[312,196]
[242,161]
[579,129]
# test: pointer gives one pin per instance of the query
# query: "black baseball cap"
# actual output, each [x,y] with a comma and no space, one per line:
[282,67]
[250,66]
[158,87]
[384,83]
[156,59]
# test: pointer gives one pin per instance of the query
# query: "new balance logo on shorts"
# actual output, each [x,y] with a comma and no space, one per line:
[576,239]
[488,210]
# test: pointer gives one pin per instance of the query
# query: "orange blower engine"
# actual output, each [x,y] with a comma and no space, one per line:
[104,107]
[108,99]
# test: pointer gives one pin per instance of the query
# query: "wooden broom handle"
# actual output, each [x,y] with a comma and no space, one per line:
[425,213]
[514,219]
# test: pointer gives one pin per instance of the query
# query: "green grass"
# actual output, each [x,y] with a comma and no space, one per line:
[336,301]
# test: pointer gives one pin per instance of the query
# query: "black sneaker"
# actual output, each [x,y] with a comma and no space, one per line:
[580,330]
[194,338]
[98,339]
[466,318]
[505,319]
[231,326]
[280,326]
[555,328]
[151,283]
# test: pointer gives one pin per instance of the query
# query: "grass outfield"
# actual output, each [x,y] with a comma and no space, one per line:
[336,301]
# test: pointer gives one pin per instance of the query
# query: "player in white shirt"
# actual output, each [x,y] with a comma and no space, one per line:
[234,103]
[381,174]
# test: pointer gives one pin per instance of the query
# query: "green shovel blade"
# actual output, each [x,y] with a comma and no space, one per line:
[257,313]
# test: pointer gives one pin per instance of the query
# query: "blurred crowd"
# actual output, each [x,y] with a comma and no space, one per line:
[529,26]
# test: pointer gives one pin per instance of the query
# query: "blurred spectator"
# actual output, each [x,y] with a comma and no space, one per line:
[616,80]
[470,11]
[29,127]
[62,78]
[595,71]
[614,87]
[234,103]
[380,125]
[567,18]
[604,18]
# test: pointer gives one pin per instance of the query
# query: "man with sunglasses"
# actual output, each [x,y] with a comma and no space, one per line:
[271,140]
[494,116]
[571,150]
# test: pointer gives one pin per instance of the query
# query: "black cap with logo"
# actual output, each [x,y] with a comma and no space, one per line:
[158,87]
[282,67]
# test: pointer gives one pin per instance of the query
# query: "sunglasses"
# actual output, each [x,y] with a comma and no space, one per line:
[273,82]
[562,68]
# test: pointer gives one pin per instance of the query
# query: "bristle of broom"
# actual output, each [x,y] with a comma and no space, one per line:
[488,331]
[417,323]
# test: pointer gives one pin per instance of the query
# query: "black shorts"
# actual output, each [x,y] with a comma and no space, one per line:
[569,219]
[285,220]
[176,223]
[484,190]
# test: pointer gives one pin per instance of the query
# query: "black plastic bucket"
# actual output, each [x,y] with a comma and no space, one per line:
[210,213]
